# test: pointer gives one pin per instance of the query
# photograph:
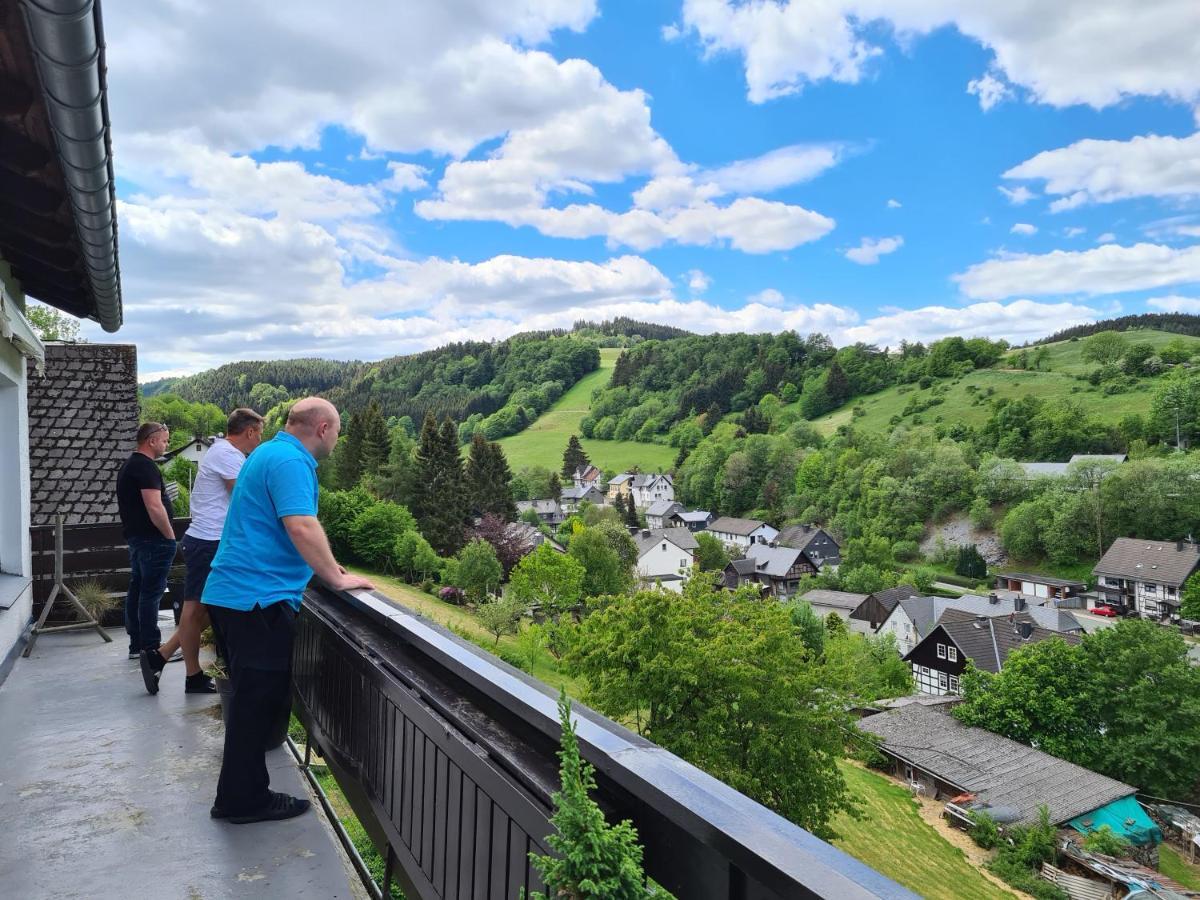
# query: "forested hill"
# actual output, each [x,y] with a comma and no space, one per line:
[506,384]
[1175,323]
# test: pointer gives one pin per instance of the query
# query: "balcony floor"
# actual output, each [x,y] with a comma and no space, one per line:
[105,790]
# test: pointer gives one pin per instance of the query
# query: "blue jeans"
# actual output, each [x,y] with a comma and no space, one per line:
[149,562]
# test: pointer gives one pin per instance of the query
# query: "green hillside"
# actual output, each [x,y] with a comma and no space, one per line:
[543,442]
[966,398]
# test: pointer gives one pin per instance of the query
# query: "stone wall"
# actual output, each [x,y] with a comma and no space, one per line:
[83,415]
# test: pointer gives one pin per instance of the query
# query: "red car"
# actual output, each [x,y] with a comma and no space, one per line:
[1105,611]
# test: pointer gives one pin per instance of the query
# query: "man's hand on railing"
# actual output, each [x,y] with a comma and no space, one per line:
[351,582]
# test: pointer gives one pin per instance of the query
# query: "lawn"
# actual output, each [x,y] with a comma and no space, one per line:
[893,839]
[1057,381]
[1172,864]
[460,620]
[543,442]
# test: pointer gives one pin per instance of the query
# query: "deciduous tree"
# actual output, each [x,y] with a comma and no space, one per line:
[549,580]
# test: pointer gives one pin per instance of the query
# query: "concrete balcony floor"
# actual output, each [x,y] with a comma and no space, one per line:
[105,790]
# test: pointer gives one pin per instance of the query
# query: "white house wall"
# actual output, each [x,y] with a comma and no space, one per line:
[15,560]
[900,626]
[664,559]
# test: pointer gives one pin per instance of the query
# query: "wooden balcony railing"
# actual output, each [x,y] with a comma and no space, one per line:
[447,755]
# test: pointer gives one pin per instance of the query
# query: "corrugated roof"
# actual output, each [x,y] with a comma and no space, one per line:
[732,525]
[1164,562]
[837,599]
[999,771]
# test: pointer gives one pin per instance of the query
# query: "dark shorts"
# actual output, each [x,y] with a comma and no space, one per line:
[198,555]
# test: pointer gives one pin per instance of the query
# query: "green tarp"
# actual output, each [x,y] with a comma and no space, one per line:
[1125,817]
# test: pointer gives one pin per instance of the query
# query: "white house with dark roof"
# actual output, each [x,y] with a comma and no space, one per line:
[660,511]
[193,451]
[1146,576]
[741,532]
[912,618]
[691,519]
[588,476]
[777,570]
[665,556]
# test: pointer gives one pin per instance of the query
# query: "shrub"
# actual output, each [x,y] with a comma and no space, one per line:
[981,514]
[984,831]
[337,512]
[500,616]
[906,551]
[93,594]
[427,586]
[1104,840]
[374,531]
[450,594]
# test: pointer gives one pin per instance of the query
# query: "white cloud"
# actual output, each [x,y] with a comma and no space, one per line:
[405,177]
[698,282]
[989,89]
[1023,228]
[1110,269]
[1107,238]
[1175,303]
[1074,231]
[1091,171]
[893,204]
[1072,51]
[1017,196]
[868,252]
[779,168]
[1019,320]
[768,297]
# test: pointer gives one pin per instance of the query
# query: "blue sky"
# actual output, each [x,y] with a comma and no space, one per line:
[368,180]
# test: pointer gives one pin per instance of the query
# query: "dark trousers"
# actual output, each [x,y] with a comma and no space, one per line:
[259,647]
[149,563]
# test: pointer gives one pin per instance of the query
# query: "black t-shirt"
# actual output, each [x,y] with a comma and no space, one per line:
[139,473]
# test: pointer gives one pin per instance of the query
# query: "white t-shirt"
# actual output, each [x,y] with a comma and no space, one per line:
[210,497]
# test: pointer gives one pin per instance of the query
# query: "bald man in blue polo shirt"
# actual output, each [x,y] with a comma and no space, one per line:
[272,545]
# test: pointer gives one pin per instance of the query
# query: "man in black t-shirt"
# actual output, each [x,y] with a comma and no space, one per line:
[146,519]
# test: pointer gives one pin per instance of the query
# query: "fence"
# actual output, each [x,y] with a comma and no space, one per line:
[448,756]
[92,550]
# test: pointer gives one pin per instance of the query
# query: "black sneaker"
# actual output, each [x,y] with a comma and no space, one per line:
[134,653]
[199,684]
[152,666]
[281,806]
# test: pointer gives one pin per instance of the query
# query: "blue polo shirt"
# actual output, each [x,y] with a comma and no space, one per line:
[257,563]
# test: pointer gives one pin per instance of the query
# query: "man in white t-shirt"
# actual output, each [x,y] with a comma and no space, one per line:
[210,502]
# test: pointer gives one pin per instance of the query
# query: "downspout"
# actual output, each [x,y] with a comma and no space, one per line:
[68,44]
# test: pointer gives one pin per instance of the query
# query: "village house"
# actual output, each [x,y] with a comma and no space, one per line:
[1042,587]
[741,533]
[588,476]
[691,519]
[939,659]
[913,618]
[819,548]
[574,495]
[1145,576]
[841,603]
[976,770]
[548,511]
[531,537]
[879,605]
[777,570]
[665,556]
[659,513]
[642,488]
[193,451]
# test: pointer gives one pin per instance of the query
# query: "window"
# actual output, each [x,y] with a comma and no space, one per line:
[942,680]
[952,653]
[683,564]
[954,684]
[924,670]
[941,651]
[1150,588]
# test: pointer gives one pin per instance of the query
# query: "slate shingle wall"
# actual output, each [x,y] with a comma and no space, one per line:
[83,414]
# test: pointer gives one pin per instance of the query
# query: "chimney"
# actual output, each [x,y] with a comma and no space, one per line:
[1179,545]
[633,530]
[645,532]
[993,599]
[1025,629]
[1018,603]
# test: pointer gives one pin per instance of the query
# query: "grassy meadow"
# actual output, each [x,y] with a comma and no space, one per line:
[966,401]
[543,442]
[893,839]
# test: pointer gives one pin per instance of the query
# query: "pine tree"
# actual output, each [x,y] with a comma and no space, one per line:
[573,458]
[555,486]
[374,439]
[619,506]
[489,479]
[631,514]
[712,417]
[837,385]
[439,495]
[350,462]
